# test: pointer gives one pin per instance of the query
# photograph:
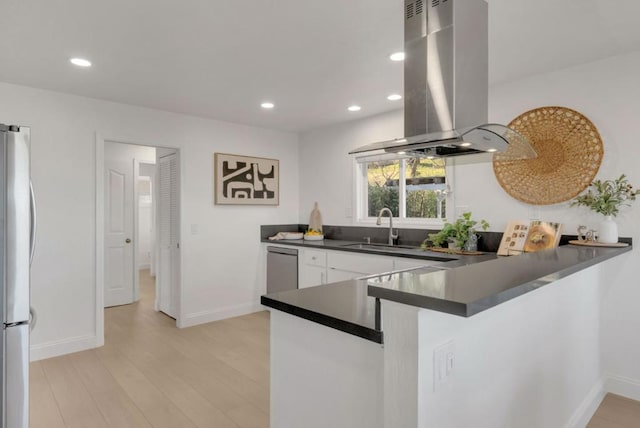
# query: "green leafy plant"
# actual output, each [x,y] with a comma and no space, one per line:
[606,197]
[458,231]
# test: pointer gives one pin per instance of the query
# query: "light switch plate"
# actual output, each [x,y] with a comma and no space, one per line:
[443,364]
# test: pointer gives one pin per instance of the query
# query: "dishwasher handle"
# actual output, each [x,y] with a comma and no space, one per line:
[280,250]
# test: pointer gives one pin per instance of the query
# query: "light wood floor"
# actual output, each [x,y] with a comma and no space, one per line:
[616,412]
[151,374]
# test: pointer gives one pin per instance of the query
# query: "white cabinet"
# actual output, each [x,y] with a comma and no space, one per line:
[317,267]
[342,266]
[312,268]
[310,276]
[337,275]
[400,263]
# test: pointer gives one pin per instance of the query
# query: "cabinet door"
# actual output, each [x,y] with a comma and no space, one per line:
[336,275]
[361,264]
[310,276]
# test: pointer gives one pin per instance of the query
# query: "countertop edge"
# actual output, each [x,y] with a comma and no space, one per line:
[326,320]
[488,302]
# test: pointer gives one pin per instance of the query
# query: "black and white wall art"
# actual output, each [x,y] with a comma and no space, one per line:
[244,180]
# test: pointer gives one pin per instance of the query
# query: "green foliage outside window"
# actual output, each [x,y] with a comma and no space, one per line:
[423,204]
[384,178]
[380,197]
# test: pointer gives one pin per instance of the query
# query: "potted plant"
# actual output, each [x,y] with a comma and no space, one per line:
[606,198]
[459,234]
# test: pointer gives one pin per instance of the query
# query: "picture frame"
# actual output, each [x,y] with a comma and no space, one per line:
[246,180]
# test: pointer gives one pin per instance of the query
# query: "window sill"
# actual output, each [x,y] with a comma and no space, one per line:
[430,223]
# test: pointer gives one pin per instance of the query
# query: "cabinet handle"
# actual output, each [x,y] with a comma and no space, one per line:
[321,277]
[313,258]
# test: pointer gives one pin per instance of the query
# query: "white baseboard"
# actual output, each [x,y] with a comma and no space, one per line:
[614,384]
[588,407]
[219,314]
[62,347]
[624,386]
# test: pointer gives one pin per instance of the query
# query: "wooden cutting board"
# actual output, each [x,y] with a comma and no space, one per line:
[598,244]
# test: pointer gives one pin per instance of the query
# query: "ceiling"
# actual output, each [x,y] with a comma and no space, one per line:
[221,58]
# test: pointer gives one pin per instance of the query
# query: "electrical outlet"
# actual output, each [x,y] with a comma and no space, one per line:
[443,363]
[195,229]
[348,212]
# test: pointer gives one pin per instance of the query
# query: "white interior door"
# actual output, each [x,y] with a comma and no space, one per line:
[168,267]
[118,269]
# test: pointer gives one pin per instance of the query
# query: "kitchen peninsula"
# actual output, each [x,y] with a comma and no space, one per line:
[490,342]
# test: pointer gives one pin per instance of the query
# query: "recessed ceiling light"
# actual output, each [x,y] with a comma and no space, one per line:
[402,153]
[397,56]
[430,157]
[492,150]
[467,144]
[267,105]
[354,108]
[80,62]
[394,97]
[400,140]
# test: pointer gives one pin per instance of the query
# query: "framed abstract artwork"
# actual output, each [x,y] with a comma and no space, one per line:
[245,180]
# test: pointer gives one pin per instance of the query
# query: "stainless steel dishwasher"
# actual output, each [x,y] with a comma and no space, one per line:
[282,269]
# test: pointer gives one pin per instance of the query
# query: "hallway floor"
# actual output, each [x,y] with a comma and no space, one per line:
[152,374]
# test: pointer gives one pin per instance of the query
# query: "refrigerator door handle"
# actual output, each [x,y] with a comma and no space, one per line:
[33,318]
[34,223]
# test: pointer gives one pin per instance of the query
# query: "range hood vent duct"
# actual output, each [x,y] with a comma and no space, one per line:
[446,75]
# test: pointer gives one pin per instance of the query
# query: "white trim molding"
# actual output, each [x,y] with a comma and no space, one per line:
[61,347]
[624,386]
[613,384]
[203,317]
[588,407]
[99,262]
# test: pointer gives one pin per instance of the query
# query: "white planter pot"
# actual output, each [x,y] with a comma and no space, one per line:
[608,231]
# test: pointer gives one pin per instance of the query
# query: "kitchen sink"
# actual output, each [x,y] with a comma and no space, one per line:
[380,247]
[400,249]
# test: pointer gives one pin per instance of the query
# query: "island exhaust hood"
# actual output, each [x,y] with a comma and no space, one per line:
[446,79]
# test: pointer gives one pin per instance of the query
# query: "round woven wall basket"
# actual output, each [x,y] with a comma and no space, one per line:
[569,151]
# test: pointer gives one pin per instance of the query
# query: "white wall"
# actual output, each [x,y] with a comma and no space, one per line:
[220,274]
[607,92]
[327,168]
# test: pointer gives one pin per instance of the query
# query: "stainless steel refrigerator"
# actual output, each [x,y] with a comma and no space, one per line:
[17,233]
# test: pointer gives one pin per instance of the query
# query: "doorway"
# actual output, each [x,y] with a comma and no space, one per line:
[137,227]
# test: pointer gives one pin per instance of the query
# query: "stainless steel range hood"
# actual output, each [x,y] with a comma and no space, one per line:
[446,84]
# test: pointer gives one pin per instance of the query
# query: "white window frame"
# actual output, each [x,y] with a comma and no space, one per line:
[360,183]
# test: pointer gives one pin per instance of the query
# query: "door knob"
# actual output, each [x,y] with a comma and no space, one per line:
[128,241]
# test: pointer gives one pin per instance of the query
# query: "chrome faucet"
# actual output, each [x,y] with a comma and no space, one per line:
[379,222]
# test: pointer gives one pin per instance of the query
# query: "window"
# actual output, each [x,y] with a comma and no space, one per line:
[414,188]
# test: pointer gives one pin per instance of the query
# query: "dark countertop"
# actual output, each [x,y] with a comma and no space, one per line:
[342,305]
[465,286]
[470,289]
[398,251]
